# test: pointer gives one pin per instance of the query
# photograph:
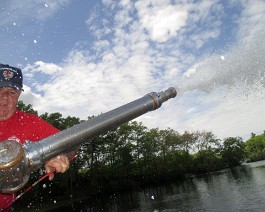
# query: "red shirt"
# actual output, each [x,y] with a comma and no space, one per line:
[20,127]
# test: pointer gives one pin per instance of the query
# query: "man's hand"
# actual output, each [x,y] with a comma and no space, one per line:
[59,163]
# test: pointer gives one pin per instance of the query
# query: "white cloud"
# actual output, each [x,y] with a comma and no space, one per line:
[232,113]
[164,23]
[252,19]
[29,97]
[46,68]
[28,9]
[124,65]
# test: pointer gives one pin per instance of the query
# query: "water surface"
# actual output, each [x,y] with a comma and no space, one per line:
[238,189]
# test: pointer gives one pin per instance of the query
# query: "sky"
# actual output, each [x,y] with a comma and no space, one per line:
[83,58]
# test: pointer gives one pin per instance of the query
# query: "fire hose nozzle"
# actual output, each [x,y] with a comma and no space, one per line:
[14,172]
[17,161]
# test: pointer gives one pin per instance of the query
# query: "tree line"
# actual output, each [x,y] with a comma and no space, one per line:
[132,156]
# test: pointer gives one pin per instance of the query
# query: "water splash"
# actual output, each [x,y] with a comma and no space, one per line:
[224,93]
[242,66]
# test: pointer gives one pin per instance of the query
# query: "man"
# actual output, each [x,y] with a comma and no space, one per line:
[20,126]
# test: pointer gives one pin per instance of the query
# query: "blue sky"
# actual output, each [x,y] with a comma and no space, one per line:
[81,58]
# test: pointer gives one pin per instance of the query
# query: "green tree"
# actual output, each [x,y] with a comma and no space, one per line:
[69,121]
[169,146]
[137,139]
[205,141]
[207,148]
[255,148]
[233,151]
[185,159]
[55,119]
[26,108]
[187,141]
[147,154]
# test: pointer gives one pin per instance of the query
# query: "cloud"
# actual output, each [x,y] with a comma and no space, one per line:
[29,97]
[164,23]
[40,66]
[15,10]
[135,51]
[251,21]
[229,112]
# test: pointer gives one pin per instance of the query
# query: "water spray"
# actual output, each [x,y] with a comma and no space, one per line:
[17,161]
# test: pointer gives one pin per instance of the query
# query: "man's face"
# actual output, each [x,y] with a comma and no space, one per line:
[8,102]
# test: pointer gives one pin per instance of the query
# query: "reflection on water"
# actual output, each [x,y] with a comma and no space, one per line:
[238,189]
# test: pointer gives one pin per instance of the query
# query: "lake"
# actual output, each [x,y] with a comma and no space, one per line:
[238,189]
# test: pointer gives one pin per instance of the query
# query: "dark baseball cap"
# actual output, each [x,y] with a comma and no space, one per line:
[11,77]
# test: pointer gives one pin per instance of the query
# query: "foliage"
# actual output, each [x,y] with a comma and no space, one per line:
[26,108]
[255,147]
[233,151]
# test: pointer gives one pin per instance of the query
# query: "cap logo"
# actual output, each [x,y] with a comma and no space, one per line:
[8,74]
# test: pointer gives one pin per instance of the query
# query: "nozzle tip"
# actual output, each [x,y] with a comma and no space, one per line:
[171,92]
